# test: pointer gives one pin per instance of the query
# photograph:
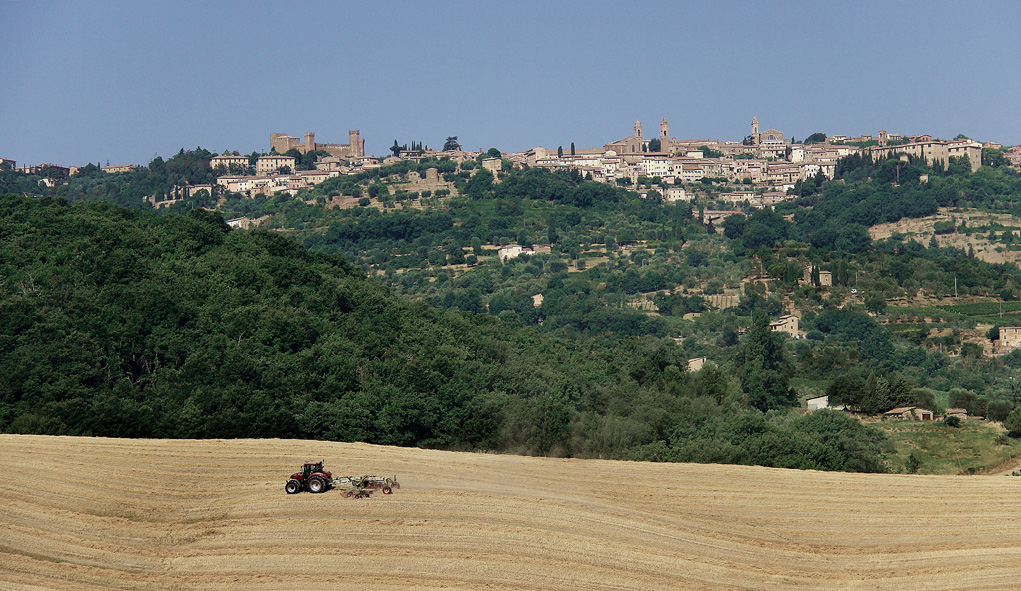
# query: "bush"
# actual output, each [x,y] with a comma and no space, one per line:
[952,421]
[364,202]
[1013,423]
[913,463]
[998,410]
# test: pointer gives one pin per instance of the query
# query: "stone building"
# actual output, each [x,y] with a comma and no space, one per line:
[1010,338]
[934,151]
[353,149]
[769,137]
[493,165]
[227,161]
[635,144]
[786,324]
[825,277]
[270,164]
[118,168]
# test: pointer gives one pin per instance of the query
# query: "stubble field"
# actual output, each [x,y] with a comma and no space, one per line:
[84,513]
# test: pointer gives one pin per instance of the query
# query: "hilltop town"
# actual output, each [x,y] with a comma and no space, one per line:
[767,163]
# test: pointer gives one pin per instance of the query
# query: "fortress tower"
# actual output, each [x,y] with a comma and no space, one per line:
[282,143]
[357,144]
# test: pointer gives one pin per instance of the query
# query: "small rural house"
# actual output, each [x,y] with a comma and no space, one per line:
[909,413]
[822,402]
[786,324]
[961,413]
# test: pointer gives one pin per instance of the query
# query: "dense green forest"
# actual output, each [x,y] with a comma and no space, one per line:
[125,323]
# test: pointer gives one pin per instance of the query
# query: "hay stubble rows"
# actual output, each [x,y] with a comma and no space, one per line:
[82,513]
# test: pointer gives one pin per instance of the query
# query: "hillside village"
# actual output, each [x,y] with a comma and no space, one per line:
[767,162]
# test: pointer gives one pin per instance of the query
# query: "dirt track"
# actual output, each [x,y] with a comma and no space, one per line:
[80,513]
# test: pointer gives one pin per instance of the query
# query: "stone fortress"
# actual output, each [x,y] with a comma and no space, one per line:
[355,148]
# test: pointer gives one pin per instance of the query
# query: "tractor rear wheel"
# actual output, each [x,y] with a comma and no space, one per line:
[292,486]
[387,490]
[316,485]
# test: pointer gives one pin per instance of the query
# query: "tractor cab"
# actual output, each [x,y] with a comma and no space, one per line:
[309,468]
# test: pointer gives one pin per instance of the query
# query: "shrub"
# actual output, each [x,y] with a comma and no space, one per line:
[998,410]
[952,421]
[913,463]
[1013,423]
[364,201]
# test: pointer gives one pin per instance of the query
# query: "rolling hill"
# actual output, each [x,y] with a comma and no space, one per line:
[93,513]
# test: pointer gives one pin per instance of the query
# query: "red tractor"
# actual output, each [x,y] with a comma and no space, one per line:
[312,478]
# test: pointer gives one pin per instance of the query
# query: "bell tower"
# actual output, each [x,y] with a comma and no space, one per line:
[638,128]
[664,135]
[755,129]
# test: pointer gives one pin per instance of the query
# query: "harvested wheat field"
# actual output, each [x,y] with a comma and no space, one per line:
[84,513]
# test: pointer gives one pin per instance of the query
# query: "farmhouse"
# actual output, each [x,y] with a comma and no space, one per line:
[825,277]
[513,251]
[787,324]
[961,413]
[1010,338]
[909,413]
[822,402]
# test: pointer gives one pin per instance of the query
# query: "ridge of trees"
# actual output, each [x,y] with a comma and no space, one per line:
[123,323]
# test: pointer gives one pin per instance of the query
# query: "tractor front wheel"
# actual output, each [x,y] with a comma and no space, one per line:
[316,485]
[292,486]
[387,490]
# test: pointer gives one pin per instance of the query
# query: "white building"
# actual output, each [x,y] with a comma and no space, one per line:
[513,251]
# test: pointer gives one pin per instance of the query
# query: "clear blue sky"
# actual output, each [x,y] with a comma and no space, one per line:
[119,82]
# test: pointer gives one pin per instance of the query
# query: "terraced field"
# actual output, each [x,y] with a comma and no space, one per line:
[82,513]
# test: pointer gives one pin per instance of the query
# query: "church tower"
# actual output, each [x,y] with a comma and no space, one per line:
[755,130]
[638,128]
[664,135]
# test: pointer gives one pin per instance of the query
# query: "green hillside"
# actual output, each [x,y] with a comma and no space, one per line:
[117,322]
